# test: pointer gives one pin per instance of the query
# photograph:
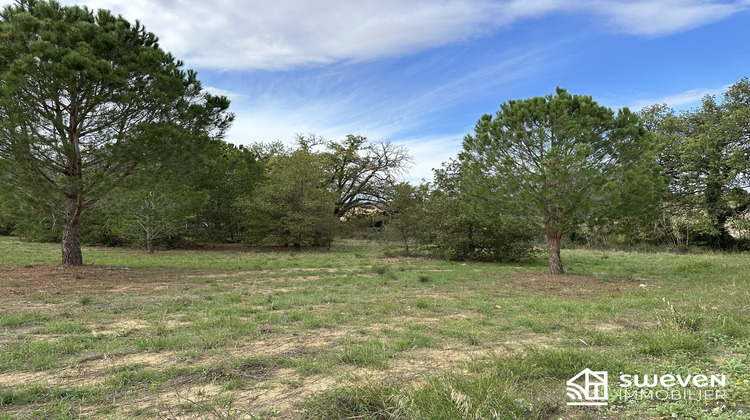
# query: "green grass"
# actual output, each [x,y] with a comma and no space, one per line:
[371,353]
[17,253]
[502,387]
[22,318]
[42,394]
[354,333]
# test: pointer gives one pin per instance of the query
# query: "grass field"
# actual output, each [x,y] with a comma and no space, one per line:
[351,333]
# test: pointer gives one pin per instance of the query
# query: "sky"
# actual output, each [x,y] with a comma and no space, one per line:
[420,73]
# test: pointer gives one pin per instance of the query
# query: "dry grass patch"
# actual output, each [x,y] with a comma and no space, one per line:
[83,281]
[566,286]
[286,344]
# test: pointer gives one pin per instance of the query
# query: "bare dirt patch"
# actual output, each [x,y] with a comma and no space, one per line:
[198,401]
[11,379]
[129,325]
[159,360]
[90,369]
[607,327]
[413,365]
[285,344]
[568,285]
[519,342]
[93,280]
[82,281]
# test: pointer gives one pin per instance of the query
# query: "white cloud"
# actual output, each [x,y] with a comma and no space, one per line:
[677,100]
[429,153]
[235,97]
[283,34]
[332,121]
[274,122]
[256,34]
[664,17]
[383,112]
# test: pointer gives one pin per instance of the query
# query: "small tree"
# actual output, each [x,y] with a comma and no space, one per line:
[227,174]
[147,216]
[87,100]
[406,214]
[558,161]
[292,207]
[450,231]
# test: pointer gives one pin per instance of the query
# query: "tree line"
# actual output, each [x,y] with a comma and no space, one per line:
[105,138]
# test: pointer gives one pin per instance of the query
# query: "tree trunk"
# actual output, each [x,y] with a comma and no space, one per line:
[71,241]
[149,241]
[71,246]
[555,262]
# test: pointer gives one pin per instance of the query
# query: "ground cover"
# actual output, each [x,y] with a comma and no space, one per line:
[352,333]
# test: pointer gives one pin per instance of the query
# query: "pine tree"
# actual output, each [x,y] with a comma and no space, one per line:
[87,100]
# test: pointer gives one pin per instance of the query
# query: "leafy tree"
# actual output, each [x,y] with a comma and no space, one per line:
[362,171]
[146,216]
[453,233]
[265,151]
[100,224]
[292,207]
[7,224]
[87,100]
[559,161]
[227,174]
[406,213]
[706,153]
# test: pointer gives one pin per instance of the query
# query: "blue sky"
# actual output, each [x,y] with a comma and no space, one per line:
[421,72]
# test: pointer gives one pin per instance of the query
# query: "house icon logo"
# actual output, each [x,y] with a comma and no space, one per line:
[588,388]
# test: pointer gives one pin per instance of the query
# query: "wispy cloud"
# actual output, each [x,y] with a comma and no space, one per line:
[677,100]
[235,97]
[430,153]
[256,34]
[284,34]
[664,17]
[412,114]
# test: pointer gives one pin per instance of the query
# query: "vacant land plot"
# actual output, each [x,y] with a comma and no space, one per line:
[350,333]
